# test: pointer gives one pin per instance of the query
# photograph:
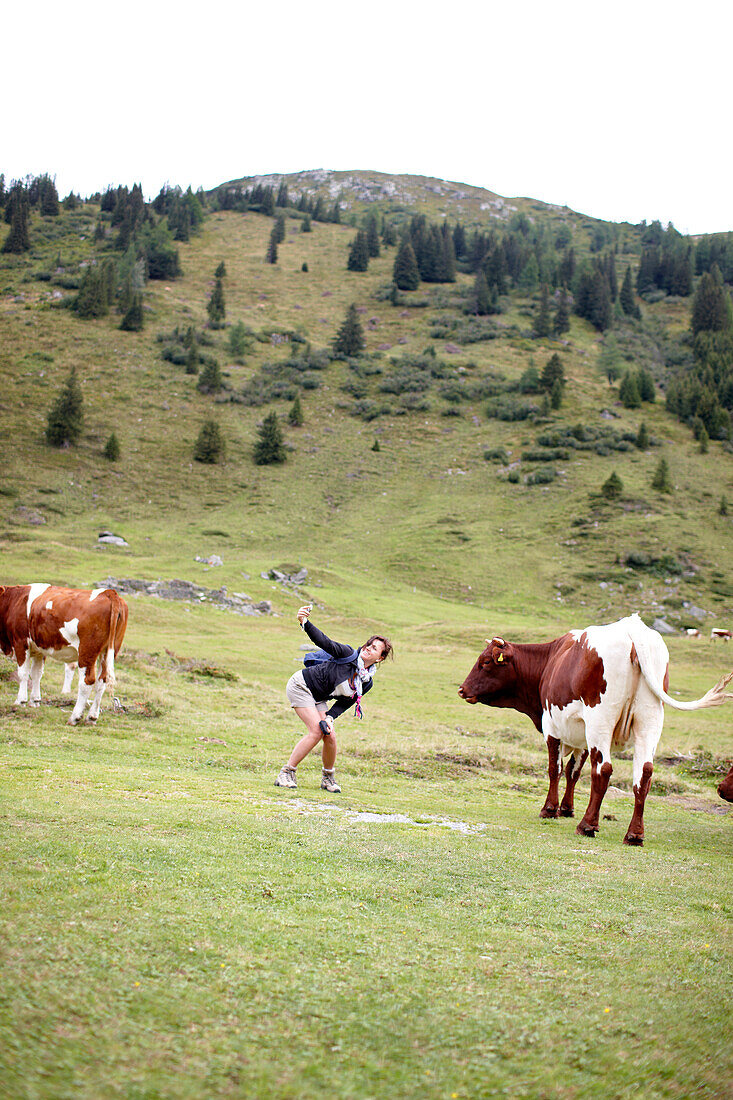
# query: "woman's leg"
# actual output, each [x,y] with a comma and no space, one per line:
[311,717]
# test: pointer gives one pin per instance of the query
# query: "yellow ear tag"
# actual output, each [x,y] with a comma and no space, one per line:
[500,658]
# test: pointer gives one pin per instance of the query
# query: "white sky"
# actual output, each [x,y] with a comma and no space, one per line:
[620,111]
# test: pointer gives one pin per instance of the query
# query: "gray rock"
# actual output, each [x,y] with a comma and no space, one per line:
[663,627]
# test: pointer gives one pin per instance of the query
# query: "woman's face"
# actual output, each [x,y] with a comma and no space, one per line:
[372,653]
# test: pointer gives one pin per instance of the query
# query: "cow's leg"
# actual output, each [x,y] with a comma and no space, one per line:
[648,722]
[85,690]
[24,670]
[573,768]
[554,770]
[99,686]
[69,671]
[600,775]
[635,831]
[37,663]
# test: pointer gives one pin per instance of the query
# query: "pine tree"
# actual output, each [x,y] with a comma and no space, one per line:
[112,449]
[556,394]
[269,448]
[221,271]
[627,298]
[133,320]
[18,239]
[271,256]
[711,306]
[642,438]
[480,300]
[238,338]
[192,359]
[646,385]
[628,391]
[405,273]
[358,253]
[279,229]
[210,380]
[66,416]
[209,446]
[723,506]
[704,441]
[375,446]
[350,337]
[561,322]
[542,317]
[295,416]
[661,480]
[216,308]
[305,225]
[613,487]
[372,236]
[553,371]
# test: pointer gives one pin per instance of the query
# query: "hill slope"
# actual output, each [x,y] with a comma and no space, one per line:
[427,509]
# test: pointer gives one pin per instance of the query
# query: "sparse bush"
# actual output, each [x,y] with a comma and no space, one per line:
[497,454]
[543,476]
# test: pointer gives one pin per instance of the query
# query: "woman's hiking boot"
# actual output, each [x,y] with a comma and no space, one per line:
[328,781]
[286,778]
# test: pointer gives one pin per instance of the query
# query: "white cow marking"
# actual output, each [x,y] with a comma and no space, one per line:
[49,605]
[95,592]
[36,590]
[70,633]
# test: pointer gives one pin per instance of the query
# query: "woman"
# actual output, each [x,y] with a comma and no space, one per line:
[345,677]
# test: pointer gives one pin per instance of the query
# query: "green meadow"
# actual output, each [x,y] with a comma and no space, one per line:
[172,924]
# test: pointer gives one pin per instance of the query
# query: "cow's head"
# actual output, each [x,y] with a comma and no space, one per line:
[493,676]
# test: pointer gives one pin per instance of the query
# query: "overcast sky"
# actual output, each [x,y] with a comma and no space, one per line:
[619,111]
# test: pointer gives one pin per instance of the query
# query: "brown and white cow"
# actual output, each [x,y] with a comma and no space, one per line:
[725,788]
[76,626]
[719,633]
[586,692]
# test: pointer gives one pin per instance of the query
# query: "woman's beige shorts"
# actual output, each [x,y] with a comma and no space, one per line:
[299,695]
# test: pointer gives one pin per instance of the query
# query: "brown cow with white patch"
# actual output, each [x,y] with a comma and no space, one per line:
[76,626]
[725,788]
[586,692]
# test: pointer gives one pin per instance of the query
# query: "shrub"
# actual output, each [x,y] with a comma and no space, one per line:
[497,454]
[543,476]
[112,449]
[613,487]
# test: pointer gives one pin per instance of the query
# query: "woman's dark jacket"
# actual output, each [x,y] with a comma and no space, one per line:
[322,679]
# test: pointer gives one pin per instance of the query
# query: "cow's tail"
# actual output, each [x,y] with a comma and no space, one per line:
[115,614]
[712,698]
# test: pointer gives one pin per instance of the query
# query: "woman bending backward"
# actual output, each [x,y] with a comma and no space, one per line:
[344,678]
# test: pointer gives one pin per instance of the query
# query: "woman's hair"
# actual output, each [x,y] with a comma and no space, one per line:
[388,647]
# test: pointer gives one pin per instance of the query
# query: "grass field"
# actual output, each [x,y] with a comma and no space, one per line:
[174,926]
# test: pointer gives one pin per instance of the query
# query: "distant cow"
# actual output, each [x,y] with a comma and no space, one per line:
[725,788]
[75,626]
[719,632]
[693,632]
[587,691]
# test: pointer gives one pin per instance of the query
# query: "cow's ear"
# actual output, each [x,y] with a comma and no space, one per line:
[501,651]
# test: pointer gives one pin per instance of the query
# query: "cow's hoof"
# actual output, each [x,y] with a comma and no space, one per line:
[34,703]
[635,839]
[72,721]
[565,812]
[91,718]
[586,830]
[548,811]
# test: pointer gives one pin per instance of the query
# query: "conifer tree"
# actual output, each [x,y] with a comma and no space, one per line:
[221,271]
[279,229]
[358,253]
[305,225]
[269,448]
[271,256]
[723,506]
[542,323]
[66,415]
[553,371]
[112,449]
[18,239]
[628,391]
[711,306]
[405,273]
[642,438]
[661,480]
[561,321]
[192,359]
[350,337]
[238,339]
[295,416]
[375,446]
[133,319]
[556,394]
[627,298]
[372,236]
[646,385]
[210,380]
[613,487]
[704,441]
[480,300]
[216,308]
[209,447]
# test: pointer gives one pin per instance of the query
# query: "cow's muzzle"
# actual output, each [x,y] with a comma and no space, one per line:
[464,695]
